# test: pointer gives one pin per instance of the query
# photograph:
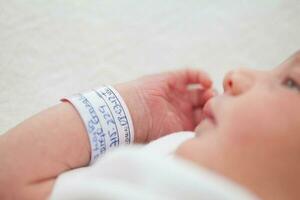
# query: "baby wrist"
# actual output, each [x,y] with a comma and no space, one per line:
[106,118]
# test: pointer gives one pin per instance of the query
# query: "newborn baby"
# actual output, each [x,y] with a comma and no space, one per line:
[246,146]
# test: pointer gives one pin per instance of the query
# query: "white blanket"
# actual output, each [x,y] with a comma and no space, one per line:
[149,172]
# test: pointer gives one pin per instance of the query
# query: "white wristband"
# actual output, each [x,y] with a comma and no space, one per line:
[106,119]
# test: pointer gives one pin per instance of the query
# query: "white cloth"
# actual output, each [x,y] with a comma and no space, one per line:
[137,172]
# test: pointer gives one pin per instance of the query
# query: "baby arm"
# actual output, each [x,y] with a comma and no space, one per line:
[35,152]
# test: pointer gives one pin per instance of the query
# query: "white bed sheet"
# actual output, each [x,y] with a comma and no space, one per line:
[49,49]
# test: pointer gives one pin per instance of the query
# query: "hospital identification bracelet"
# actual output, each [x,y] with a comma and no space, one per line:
[106,119]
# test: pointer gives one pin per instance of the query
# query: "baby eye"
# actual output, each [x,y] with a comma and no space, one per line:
[290,83]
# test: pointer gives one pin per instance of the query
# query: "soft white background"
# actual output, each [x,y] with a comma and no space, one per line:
[49,49]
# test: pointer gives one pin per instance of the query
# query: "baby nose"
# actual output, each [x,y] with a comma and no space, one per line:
[238,81]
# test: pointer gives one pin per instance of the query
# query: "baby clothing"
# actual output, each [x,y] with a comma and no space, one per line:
[147,172]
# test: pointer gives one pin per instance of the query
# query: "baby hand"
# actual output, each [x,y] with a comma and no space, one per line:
[162,104]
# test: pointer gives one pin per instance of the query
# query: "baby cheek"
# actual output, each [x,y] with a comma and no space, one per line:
[242,127]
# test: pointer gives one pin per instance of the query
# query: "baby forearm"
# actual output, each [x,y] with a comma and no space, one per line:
[35,152]
[42,147]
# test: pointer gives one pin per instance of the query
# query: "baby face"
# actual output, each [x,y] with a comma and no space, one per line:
[251,133]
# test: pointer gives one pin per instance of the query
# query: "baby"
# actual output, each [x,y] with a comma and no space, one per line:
[249,134]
